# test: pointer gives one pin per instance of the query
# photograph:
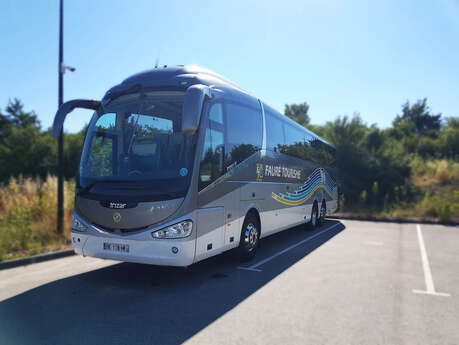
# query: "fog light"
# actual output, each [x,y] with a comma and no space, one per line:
[174,250]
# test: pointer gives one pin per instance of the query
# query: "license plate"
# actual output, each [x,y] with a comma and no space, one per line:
[116,247]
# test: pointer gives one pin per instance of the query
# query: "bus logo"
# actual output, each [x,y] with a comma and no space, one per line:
[116,217]
[117,205]
[260,172]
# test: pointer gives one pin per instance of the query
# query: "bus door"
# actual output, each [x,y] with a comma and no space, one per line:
[211,197]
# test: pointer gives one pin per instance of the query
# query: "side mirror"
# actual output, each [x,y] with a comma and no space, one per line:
[192,107]
[68,107]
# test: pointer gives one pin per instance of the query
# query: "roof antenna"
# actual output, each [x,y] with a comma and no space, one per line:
[157,58]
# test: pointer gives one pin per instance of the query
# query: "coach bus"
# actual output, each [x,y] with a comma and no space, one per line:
[180,164]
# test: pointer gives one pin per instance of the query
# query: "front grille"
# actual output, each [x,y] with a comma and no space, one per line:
[118,231]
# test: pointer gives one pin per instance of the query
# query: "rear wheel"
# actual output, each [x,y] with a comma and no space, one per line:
[314,217]
[322,213]
[250,238]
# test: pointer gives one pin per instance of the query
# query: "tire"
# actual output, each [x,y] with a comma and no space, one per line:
[322,213]
[250,238]
[314,217]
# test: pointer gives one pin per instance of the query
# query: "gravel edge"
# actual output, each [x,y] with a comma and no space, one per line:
[35,259]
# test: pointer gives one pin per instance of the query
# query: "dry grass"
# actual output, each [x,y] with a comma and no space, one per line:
[435,172]
[436,199]
[28,216]
[438,185]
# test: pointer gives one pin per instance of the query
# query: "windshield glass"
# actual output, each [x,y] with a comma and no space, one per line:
[137,141]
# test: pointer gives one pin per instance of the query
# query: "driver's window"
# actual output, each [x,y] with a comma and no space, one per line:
[106,122]
[213,152]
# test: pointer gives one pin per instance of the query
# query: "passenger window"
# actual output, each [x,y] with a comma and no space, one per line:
[296,143]
[244,132]
[293,135]
[274,132]
[212,156]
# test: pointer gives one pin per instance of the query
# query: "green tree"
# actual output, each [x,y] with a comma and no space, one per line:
[417,119]
[298,113]
[27,150]
[367,160]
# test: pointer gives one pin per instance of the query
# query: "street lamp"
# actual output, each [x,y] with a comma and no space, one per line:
[60,144]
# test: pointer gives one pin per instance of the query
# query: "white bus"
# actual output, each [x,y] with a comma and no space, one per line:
[179,164]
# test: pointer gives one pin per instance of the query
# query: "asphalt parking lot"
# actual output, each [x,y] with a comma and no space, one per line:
[349,282]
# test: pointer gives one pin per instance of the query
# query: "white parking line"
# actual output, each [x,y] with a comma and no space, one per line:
[430,287]
[254,266]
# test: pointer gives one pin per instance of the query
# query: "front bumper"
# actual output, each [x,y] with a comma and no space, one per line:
[151,251]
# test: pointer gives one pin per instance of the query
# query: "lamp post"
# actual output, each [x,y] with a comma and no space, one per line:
[60,143]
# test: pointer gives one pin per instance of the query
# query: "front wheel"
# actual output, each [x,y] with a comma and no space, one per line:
[250,238]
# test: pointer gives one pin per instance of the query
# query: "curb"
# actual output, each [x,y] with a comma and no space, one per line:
[394,220]
[35,259]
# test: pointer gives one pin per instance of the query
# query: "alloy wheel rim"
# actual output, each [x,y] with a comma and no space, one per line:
[314,217]
[251,236]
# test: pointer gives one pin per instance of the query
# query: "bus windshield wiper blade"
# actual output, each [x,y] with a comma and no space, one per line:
[86,189]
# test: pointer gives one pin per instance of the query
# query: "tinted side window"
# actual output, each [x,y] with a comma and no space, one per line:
[323,153]
[293,135]
[295,144]
[274,132]
[244,132]
[212,156]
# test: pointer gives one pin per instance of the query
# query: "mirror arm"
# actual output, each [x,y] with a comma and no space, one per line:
[68,107]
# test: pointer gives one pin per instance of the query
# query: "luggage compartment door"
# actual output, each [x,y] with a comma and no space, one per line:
[210,232]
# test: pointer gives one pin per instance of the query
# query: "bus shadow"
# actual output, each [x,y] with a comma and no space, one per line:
[132,303]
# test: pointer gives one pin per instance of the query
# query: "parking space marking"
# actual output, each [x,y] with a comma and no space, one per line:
[249,269]
[430,287]
[258,264]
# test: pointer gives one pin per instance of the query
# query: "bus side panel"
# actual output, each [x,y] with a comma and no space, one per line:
[210,232]
[285,187]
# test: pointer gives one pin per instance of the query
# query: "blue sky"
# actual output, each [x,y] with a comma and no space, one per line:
[339,56]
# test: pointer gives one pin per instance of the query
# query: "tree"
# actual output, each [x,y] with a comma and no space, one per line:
[418,119]
[298,113]
[18,117]
[25,149]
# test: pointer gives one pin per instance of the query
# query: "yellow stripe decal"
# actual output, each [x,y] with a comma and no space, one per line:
[298,202]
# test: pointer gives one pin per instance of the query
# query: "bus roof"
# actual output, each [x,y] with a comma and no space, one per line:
[182,77]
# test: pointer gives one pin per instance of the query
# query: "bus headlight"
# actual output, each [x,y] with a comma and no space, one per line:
[179,230]
[77,225]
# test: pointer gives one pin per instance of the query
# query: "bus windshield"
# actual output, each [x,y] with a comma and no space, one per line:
[136,141]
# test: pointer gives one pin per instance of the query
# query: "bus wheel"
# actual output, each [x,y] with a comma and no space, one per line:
[314,217]
[250,238]
[322,214]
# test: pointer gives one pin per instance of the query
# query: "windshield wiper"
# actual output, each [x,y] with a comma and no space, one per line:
[85,190]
